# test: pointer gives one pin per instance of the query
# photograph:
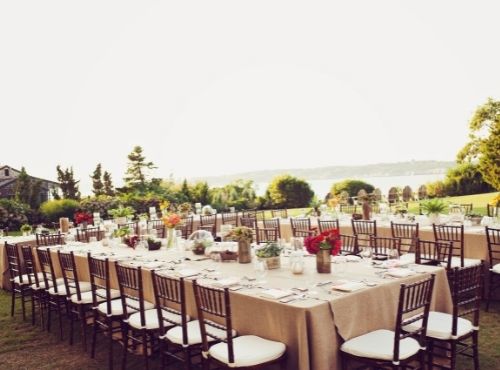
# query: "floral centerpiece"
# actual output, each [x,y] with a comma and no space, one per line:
[244,236]
[433,208]
[171,221]
[83,218]
[26,229]
[125,233]
[121,213]
[270,253]
[324,245]
[184,208]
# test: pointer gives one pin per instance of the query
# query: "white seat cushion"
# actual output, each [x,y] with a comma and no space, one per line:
[379,345]
[117,307]
[249,350]
[455,262]
[42,285]
[17,279]
[174,335]
[439,326]
[496,268]
[87,296]
[151,317]
[61,289]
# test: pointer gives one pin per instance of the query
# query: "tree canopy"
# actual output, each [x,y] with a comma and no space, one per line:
[287,191]
[136,177]
[69,186]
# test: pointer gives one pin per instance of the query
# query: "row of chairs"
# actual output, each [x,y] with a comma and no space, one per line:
[124,314]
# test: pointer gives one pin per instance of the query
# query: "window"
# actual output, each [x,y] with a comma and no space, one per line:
[6,172]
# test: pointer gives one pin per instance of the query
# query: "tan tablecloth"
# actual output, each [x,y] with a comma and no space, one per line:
[309,327]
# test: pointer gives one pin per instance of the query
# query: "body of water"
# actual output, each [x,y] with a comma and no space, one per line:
[384,183]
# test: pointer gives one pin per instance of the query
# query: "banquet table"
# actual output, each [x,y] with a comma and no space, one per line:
[312,327]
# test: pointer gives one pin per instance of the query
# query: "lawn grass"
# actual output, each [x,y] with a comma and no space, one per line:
[23,346]
[479,202]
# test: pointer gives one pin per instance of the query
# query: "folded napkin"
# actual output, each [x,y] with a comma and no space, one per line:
[400,272]
[353,258]
[351,286]
[226,283]
[187,272]
[152,265]
[275,293]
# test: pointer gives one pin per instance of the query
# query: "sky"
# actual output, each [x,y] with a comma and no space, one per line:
[220,87]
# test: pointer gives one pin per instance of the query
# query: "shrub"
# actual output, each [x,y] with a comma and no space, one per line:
[286,191]
[13,214]
[465,179]
[352,187]
[52,210]
[101,204]
[141,203]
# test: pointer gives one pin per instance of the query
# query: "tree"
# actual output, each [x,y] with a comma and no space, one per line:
[23,187]
[465,179]
[286,191]
[484,144]
[97,185]
[68,184]
[136,176]
[351,186]
[108,184]
[185,191]
[200,193]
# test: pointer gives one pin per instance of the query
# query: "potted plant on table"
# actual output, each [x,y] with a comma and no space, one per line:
[83,219]
[26,229]
[153,244]
[323,246]
[125,233]
[244,236]
[121,213]
[171,221]
[270,254]
[433,208]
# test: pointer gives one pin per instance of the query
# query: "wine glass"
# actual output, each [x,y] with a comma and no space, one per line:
[393,254]
[366,254]
[260,268]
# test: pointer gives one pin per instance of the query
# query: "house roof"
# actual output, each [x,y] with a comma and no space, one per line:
[8,181]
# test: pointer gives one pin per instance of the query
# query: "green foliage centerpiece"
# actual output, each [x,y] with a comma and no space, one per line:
[244,236]
[270,254]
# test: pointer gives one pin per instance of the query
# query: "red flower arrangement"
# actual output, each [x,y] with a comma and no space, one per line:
[81,217]
[328,239]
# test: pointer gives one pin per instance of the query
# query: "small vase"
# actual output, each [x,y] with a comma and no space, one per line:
[170,237]
[323,265]
[367,209]
[244,255]
[272,262]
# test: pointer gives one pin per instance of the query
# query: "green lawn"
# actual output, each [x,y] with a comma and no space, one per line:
[23,346]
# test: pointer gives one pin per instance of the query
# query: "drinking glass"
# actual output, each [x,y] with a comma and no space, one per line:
[366,254]
[393,254]
[92,240]
[260,268]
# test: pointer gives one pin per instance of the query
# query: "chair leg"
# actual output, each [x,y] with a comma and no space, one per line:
[13,302]
[145,349]
[430,354]
[23,304]
[33,308]
[187,358]
[343,362]
[49,314]
[125,345]
[59,314]
[83,324]
[283,363]
[453,360]
[94,335]
[490,290]
[109,323]
[475,349]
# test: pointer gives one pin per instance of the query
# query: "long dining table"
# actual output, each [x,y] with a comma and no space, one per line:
[312,326]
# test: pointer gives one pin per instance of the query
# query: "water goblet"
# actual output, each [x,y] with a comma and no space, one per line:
[260,268]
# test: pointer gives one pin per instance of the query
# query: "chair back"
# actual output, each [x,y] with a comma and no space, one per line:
[270,232]
[185,226]
[100,280]
[230,218]
[280,213]
[131,290]
[48,239]
[364,229]
[157,225]
[69,273]
[47,267]
[14,263]
[170,292]
[453,234]
[493,240]
[84,235]
[301,227]
[493,211]
[30,265]
[209,223]
[467,208]
[324,225]
[414,304]
[214,302]
[348,208]
[433,253]
[250,222]
[466,291]
[133,226]
[349,244]
[383,245]
[406,233]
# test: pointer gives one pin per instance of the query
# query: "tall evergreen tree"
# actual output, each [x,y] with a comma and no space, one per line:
[36,187]
[97,185]
[69,186]
[185,191]
[108,184]
[23,187]
[136,177]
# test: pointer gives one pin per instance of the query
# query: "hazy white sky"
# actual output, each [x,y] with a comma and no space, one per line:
[217,87]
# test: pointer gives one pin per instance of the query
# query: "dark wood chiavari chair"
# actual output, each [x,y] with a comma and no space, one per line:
[457,333]
[269,232]
[104,301]
[250,222]
[280,213]
[19,279]
[453,234]
[78,294]
[467,208]
[385,246]
[348,208]
[158,226]
[260,215]
[37,283]
[186,227]
[48,240]
[492,211]
[433,253]
[349,244]
[301,227]
[406,233]
[364,229]
[399,348]
[208,223]
[216,303]
[493,240]
[230,218]
[84,235]
[324,225]
[252,213]
[140,323]
[170,300]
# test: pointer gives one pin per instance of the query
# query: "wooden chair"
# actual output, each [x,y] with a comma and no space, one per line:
[19,279]
[364,229]
[433,253]
[385,246]
[245,352]
[84,235]
[406,233]
[186,227]
[280,213]
[270,232]
[78,294]
[396,349]
[133,226]
[209,223]
[158,226]
[348,208]
[301,227]
[493,240]
[493,211]
[467,208]
[230,218]
[260,215]
[140,323]
[455,235]
[104,305]
[249,222]
[349,244]
[324,225]
[35,279]
[451,334]
[48,239]
[176,330]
